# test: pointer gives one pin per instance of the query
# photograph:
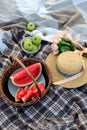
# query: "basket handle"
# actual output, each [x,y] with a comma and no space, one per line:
[12,58]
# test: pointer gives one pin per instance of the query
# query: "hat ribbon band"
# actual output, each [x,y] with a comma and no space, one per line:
[65,74]
[72,77]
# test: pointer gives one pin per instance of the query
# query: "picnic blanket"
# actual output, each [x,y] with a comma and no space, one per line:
[60,108]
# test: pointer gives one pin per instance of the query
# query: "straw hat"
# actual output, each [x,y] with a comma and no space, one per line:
[69,69]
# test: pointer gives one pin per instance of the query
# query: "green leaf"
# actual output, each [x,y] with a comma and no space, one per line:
[72,47]
[64,48]
[85,55]
[60,44]
[65,43]
[68,40]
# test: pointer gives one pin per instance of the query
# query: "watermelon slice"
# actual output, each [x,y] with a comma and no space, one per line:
[19,94]
[21,78]
[26,89]
[27,96]
[26,93]
[35,91]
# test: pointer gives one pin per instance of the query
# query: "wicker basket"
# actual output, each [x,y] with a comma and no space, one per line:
[15,64]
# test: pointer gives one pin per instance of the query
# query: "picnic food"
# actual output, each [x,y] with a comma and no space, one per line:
[31,26]
[21,78]
[34,89]
[36,39]
[26,93]
[20,92]
[31,45]
[27,96]
[33,92]
[9,90]
[28,45]
[34,48]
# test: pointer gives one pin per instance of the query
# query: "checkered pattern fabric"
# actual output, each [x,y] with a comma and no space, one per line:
[60,108]
[11,48]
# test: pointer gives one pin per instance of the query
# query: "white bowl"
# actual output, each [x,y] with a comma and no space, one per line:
[29,52]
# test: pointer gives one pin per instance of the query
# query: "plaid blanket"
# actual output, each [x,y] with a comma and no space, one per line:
[60,108]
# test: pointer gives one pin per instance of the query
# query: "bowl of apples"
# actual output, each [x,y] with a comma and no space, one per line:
[31,45]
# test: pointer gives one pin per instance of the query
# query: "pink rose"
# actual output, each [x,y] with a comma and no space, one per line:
[54,47]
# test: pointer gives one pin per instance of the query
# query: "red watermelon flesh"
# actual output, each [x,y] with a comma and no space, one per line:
[21,78]
[19,94]
[26,89]
[35,91]
[27,96]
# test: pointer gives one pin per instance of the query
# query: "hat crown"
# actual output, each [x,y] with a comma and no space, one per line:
[69,62]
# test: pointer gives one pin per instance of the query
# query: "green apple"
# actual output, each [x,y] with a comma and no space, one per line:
[28,45]
[27,40]
[36,40]
[34,48]
[31,26]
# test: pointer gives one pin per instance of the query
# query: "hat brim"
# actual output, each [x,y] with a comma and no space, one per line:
[56,76]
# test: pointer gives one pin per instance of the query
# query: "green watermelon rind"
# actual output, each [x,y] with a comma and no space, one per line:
[23,85]
[17,100]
